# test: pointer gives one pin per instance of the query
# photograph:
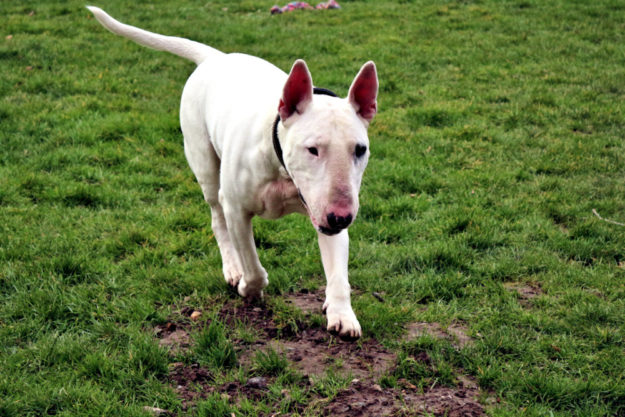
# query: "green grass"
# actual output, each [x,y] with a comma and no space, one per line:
[213,348]
[214,406]
[270,362]
[500,129]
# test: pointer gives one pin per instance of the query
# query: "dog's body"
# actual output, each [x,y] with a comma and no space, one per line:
[312,164]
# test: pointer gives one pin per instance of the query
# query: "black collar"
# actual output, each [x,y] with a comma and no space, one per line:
[276,140]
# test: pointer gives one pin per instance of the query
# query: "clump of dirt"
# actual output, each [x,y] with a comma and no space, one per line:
[174,334]
[456,333]
[236,390]
[312,351]
[191,381]
[174,340]
[362,399]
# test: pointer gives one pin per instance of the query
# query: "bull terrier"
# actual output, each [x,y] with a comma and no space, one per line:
[261,142]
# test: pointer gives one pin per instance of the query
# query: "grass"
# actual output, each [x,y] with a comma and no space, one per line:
[213,347]
[426,371]
[214,406]
[500,129]
[270,362]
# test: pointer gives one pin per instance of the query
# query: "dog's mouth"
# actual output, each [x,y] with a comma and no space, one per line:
[322,229]
[328,231]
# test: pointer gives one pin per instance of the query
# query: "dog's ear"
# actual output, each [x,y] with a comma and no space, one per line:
[364,92]
[297,92]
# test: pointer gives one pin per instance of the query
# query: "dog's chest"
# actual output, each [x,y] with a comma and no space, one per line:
[279,198]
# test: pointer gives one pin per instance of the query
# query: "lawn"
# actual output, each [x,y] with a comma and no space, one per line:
[493,204]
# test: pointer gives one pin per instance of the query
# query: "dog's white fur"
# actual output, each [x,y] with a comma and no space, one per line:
[228,108]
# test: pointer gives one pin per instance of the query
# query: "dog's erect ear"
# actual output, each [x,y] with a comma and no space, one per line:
[364,92]
[298,91]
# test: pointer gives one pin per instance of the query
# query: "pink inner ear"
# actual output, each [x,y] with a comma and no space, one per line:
[297,92]
[364,92]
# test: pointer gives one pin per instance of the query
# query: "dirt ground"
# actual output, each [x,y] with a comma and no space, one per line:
[456,333]
[311,351]
[526,292]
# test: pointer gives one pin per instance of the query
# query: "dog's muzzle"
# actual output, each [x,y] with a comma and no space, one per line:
[336,224]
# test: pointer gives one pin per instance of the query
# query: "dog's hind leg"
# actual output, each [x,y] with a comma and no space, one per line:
[205,164]
[254,277]
[229,257]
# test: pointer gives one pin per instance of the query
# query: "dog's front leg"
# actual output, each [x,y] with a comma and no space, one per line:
[338,308]
[254,277]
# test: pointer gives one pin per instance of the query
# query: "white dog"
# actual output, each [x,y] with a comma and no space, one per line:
[261,142]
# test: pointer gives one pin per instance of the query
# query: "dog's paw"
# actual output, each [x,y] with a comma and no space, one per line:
[254,289]
[232,273]
[233,277]
[342,320]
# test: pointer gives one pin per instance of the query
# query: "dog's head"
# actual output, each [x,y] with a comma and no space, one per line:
[325,144]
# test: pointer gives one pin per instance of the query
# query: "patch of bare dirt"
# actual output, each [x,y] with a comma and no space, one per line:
[174,335]
[526,292]
[255,315]
[444,401]
[362,399]
[190,381]
[251,390]
[308,301]
[175,340]
[311,301]
[312,351]
[456,333]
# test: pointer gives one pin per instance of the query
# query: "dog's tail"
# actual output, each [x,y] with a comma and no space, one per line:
[185,48]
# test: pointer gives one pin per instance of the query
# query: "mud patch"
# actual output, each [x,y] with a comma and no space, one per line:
[456,333]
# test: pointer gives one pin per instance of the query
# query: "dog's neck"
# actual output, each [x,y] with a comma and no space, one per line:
[276,141]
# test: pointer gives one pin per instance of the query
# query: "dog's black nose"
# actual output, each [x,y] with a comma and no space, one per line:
[339,222]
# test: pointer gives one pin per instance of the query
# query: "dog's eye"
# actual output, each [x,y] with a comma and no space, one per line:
[313,151]
[360,150]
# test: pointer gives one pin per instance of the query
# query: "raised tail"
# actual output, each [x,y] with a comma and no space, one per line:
[191,50]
